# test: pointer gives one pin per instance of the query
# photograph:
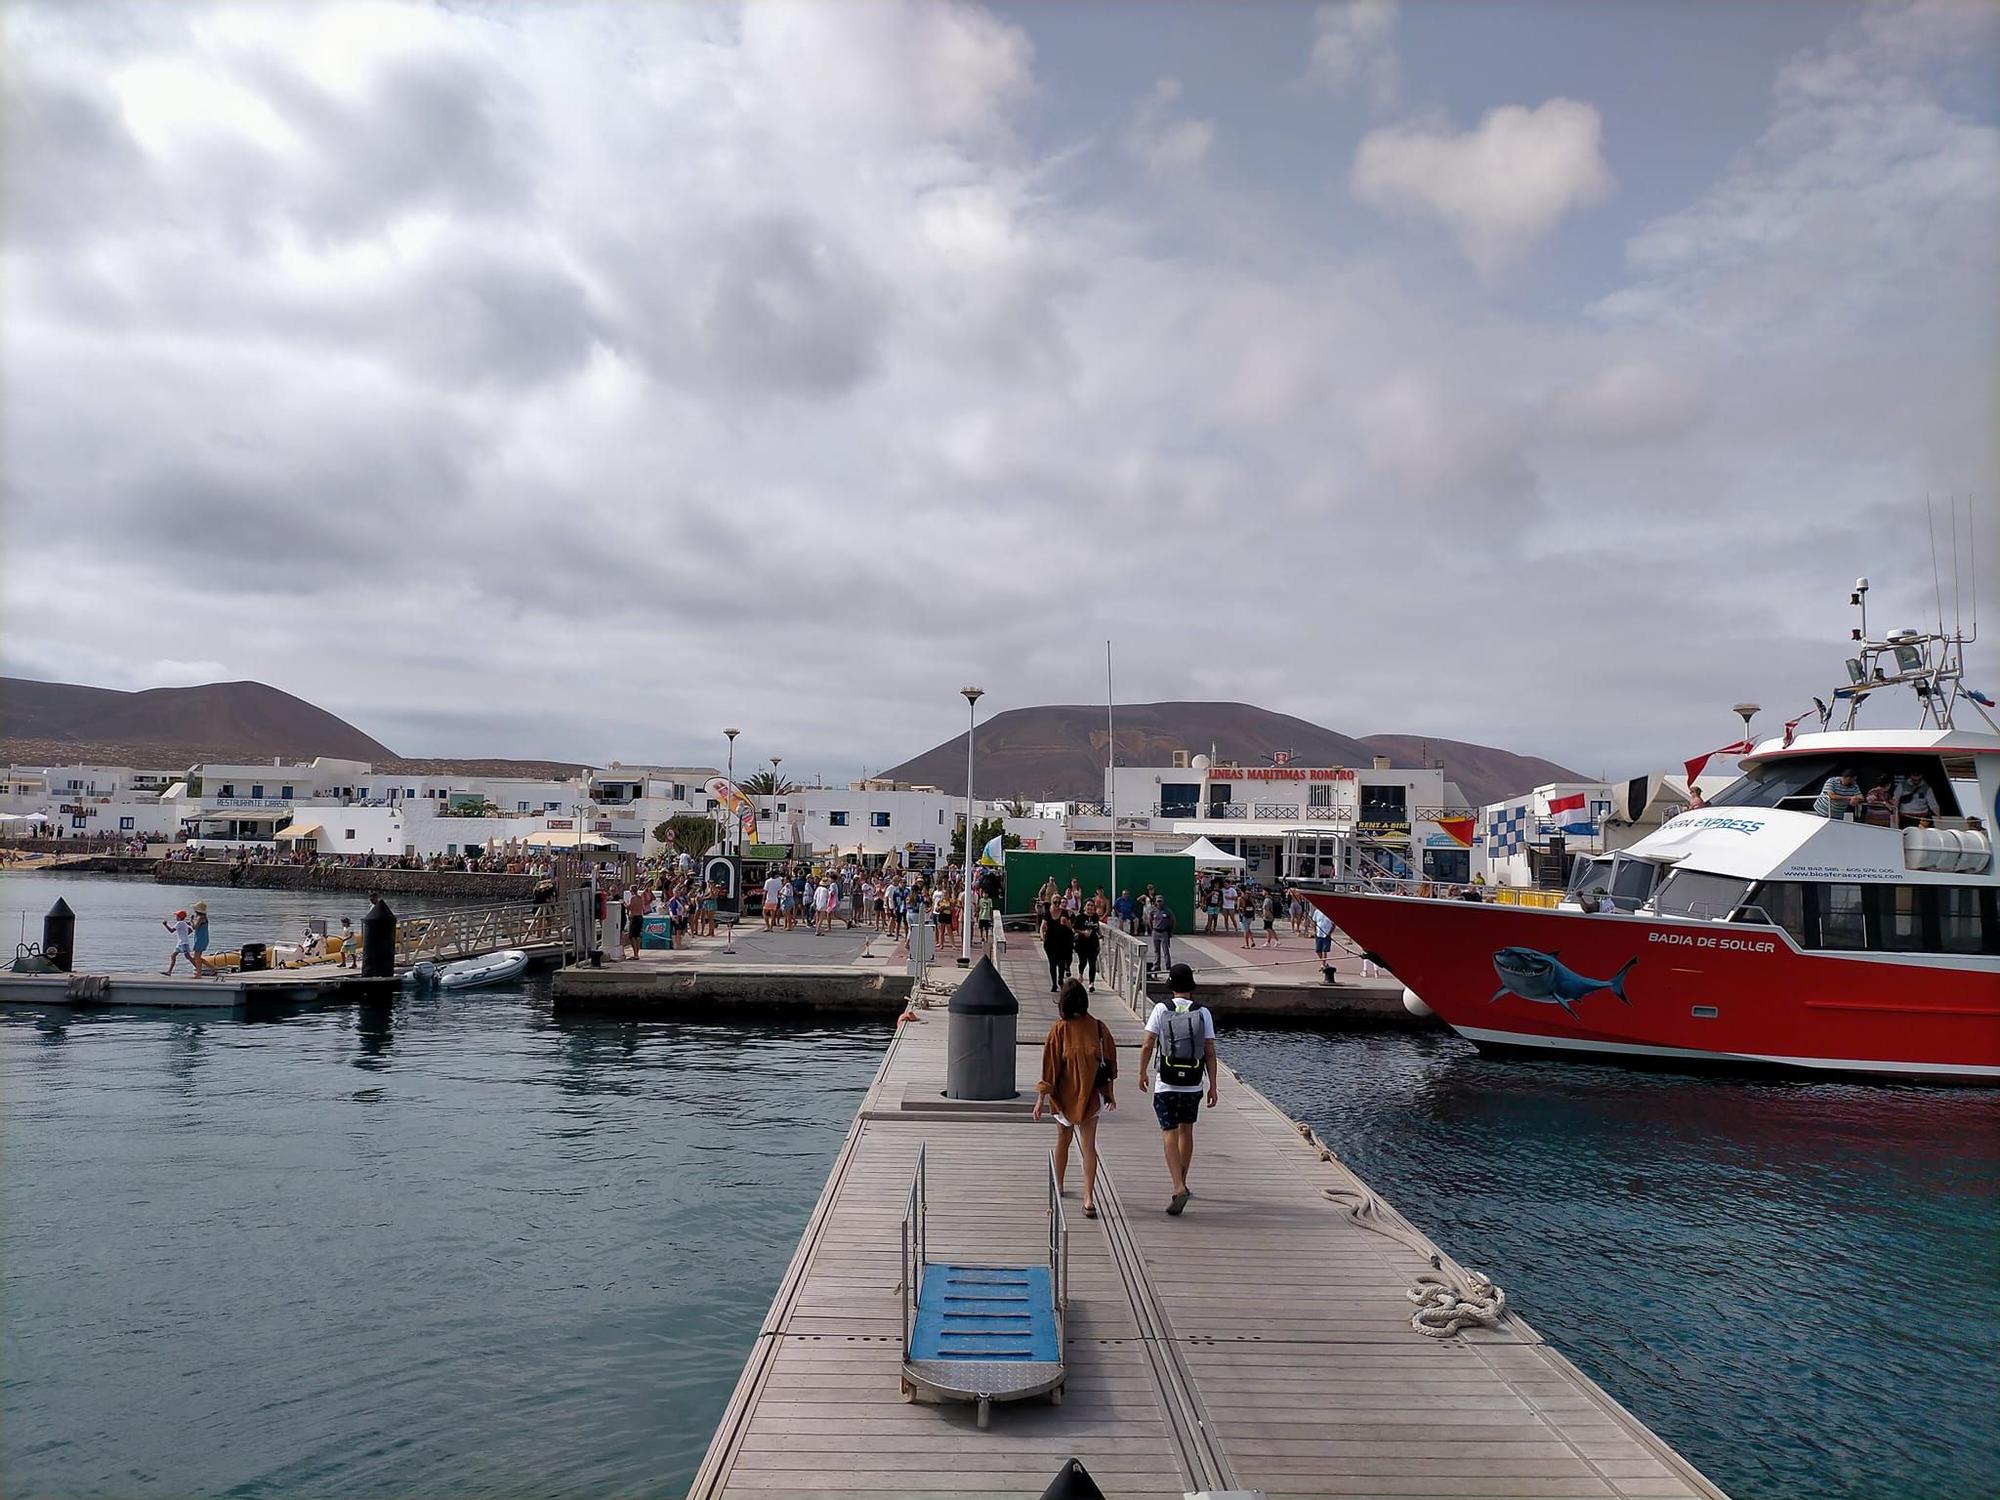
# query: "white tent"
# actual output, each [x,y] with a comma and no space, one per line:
[1207,857]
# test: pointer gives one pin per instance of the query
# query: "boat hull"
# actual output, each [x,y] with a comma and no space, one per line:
[1696,994]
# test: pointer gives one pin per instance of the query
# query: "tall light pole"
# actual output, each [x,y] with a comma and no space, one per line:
[734,840]
[776,761]
[972,696]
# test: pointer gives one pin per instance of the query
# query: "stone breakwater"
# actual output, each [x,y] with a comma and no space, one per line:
[485,886]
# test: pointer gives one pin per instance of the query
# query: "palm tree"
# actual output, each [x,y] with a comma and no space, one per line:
[1017,807]
[767,784]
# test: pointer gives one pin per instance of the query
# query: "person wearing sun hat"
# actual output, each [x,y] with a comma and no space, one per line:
[200,945]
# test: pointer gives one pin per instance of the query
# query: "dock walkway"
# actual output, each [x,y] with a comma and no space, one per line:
[1262,1340]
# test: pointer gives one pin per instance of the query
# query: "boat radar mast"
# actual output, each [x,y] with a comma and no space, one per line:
[1930,663]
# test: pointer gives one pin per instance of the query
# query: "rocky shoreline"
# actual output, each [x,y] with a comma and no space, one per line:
[486,885]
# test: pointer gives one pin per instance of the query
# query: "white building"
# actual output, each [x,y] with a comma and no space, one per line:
[867,819]
[1288,821]
[89,801]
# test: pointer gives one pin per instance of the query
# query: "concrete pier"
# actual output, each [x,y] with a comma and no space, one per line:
[848,971]
[1262,1339]
[862,972]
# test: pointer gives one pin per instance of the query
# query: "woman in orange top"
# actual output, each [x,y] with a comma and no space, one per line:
[1079,1062]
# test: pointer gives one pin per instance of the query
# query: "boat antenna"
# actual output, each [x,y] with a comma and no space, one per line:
[1937,591]
[1957,606]
[1111,768]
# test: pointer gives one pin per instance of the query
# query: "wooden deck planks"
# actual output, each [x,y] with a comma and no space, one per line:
[1263,1314]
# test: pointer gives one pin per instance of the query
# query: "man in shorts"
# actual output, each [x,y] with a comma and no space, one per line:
[1323,944]
[1182,1034]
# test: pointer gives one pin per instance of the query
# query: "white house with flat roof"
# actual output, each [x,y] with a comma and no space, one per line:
[869,820]
[1287,820]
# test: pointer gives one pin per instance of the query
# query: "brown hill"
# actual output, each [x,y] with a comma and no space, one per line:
[172,726]
[1483,773]
[1057,752]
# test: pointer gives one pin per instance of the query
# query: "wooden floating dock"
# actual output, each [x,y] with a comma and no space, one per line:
[1262,1340]
[316,984]
[542,932]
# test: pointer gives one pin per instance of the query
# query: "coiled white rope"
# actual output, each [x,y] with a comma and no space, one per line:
[1447,1302]
[1448,1298]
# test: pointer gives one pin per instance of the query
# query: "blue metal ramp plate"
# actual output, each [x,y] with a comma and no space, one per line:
[986,1313]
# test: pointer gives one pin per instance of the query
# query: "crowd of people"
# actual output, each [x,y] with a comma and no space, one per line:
[802,894]
[487,862]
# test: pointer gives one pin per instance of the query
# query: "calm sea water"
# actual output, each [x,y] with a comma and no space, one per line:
[460,1245]
[1781,1278]
[455,1245]
[118,917]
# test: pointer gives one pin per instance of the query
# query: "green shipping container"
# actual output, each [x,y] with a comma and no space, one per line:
[1172,875]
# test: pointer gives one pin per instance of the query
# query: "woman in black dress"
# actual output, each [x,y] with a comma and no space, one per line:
[1058,945]
[1086,942]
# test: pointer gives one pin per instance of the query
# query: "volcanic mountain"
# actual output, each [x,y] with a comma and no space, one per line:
[1057,752]
[171,727]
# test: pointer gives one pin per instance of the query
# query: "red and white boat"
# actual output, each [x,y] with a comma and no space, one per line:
[1753,930]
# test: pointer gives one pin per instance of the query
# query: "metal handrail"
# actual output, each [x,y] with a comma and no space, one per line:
[1125,966]
[1058,1258]
[913,1249]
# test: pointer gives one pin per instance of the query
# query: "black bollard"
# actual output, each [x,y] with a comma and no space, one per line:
[59,935]
[1073,1482]
[378,942]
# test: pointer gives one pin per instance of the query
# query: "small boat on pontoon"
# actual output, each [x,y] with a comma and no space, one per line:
[471,973]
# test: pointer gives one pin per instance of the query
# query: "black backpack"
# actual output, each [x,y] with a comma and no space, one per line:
[1183,1046]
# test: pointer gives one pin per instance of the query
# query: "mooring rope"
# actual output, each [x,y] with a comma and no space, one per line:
[1448,1298]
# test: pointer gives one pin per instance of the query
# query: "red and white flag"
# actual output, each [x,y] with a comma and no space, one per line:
[1694,767]
[1792,729]
[1573,802]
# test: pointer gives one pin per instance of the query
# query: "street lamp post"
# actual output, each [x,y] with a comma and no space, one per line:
[734,838]
[776,761]
[972,697]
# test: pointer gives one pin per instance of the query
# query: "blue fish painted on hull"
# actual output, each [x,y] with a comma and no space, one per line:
[1542,978]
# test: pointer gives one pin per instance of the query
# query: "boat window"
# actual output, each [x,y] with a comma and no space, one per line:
[1843,922]
[1588,874]
[1780,903]
[1900,920]
[1959,923]
[1695,893]
[1634,882]
[1778,780]
[1794,782]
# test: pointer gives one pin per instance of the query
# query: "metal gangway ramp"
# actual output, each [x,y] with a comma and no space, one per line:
[982,1332]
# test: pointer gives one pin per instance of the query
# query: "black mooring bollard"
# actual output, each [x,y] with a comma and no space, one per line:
[59,935]
[378,942]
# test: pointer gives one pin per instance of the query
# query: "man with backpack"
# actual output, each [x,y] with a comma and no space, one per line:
[1183,1034]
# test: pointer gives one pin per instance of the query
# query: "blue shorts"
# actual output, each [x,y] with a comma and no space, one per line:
[1175,1109]
[1322,946]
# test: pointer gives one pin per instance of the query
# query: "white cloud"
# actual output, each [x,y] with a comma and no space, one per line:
[1867,197]
[1354,49]
[1164,145]
[1501,188]
[1634,400]
[596,429]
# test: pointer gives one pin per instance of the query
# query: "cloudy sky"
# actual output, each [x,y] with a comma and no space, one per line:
[575,380]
